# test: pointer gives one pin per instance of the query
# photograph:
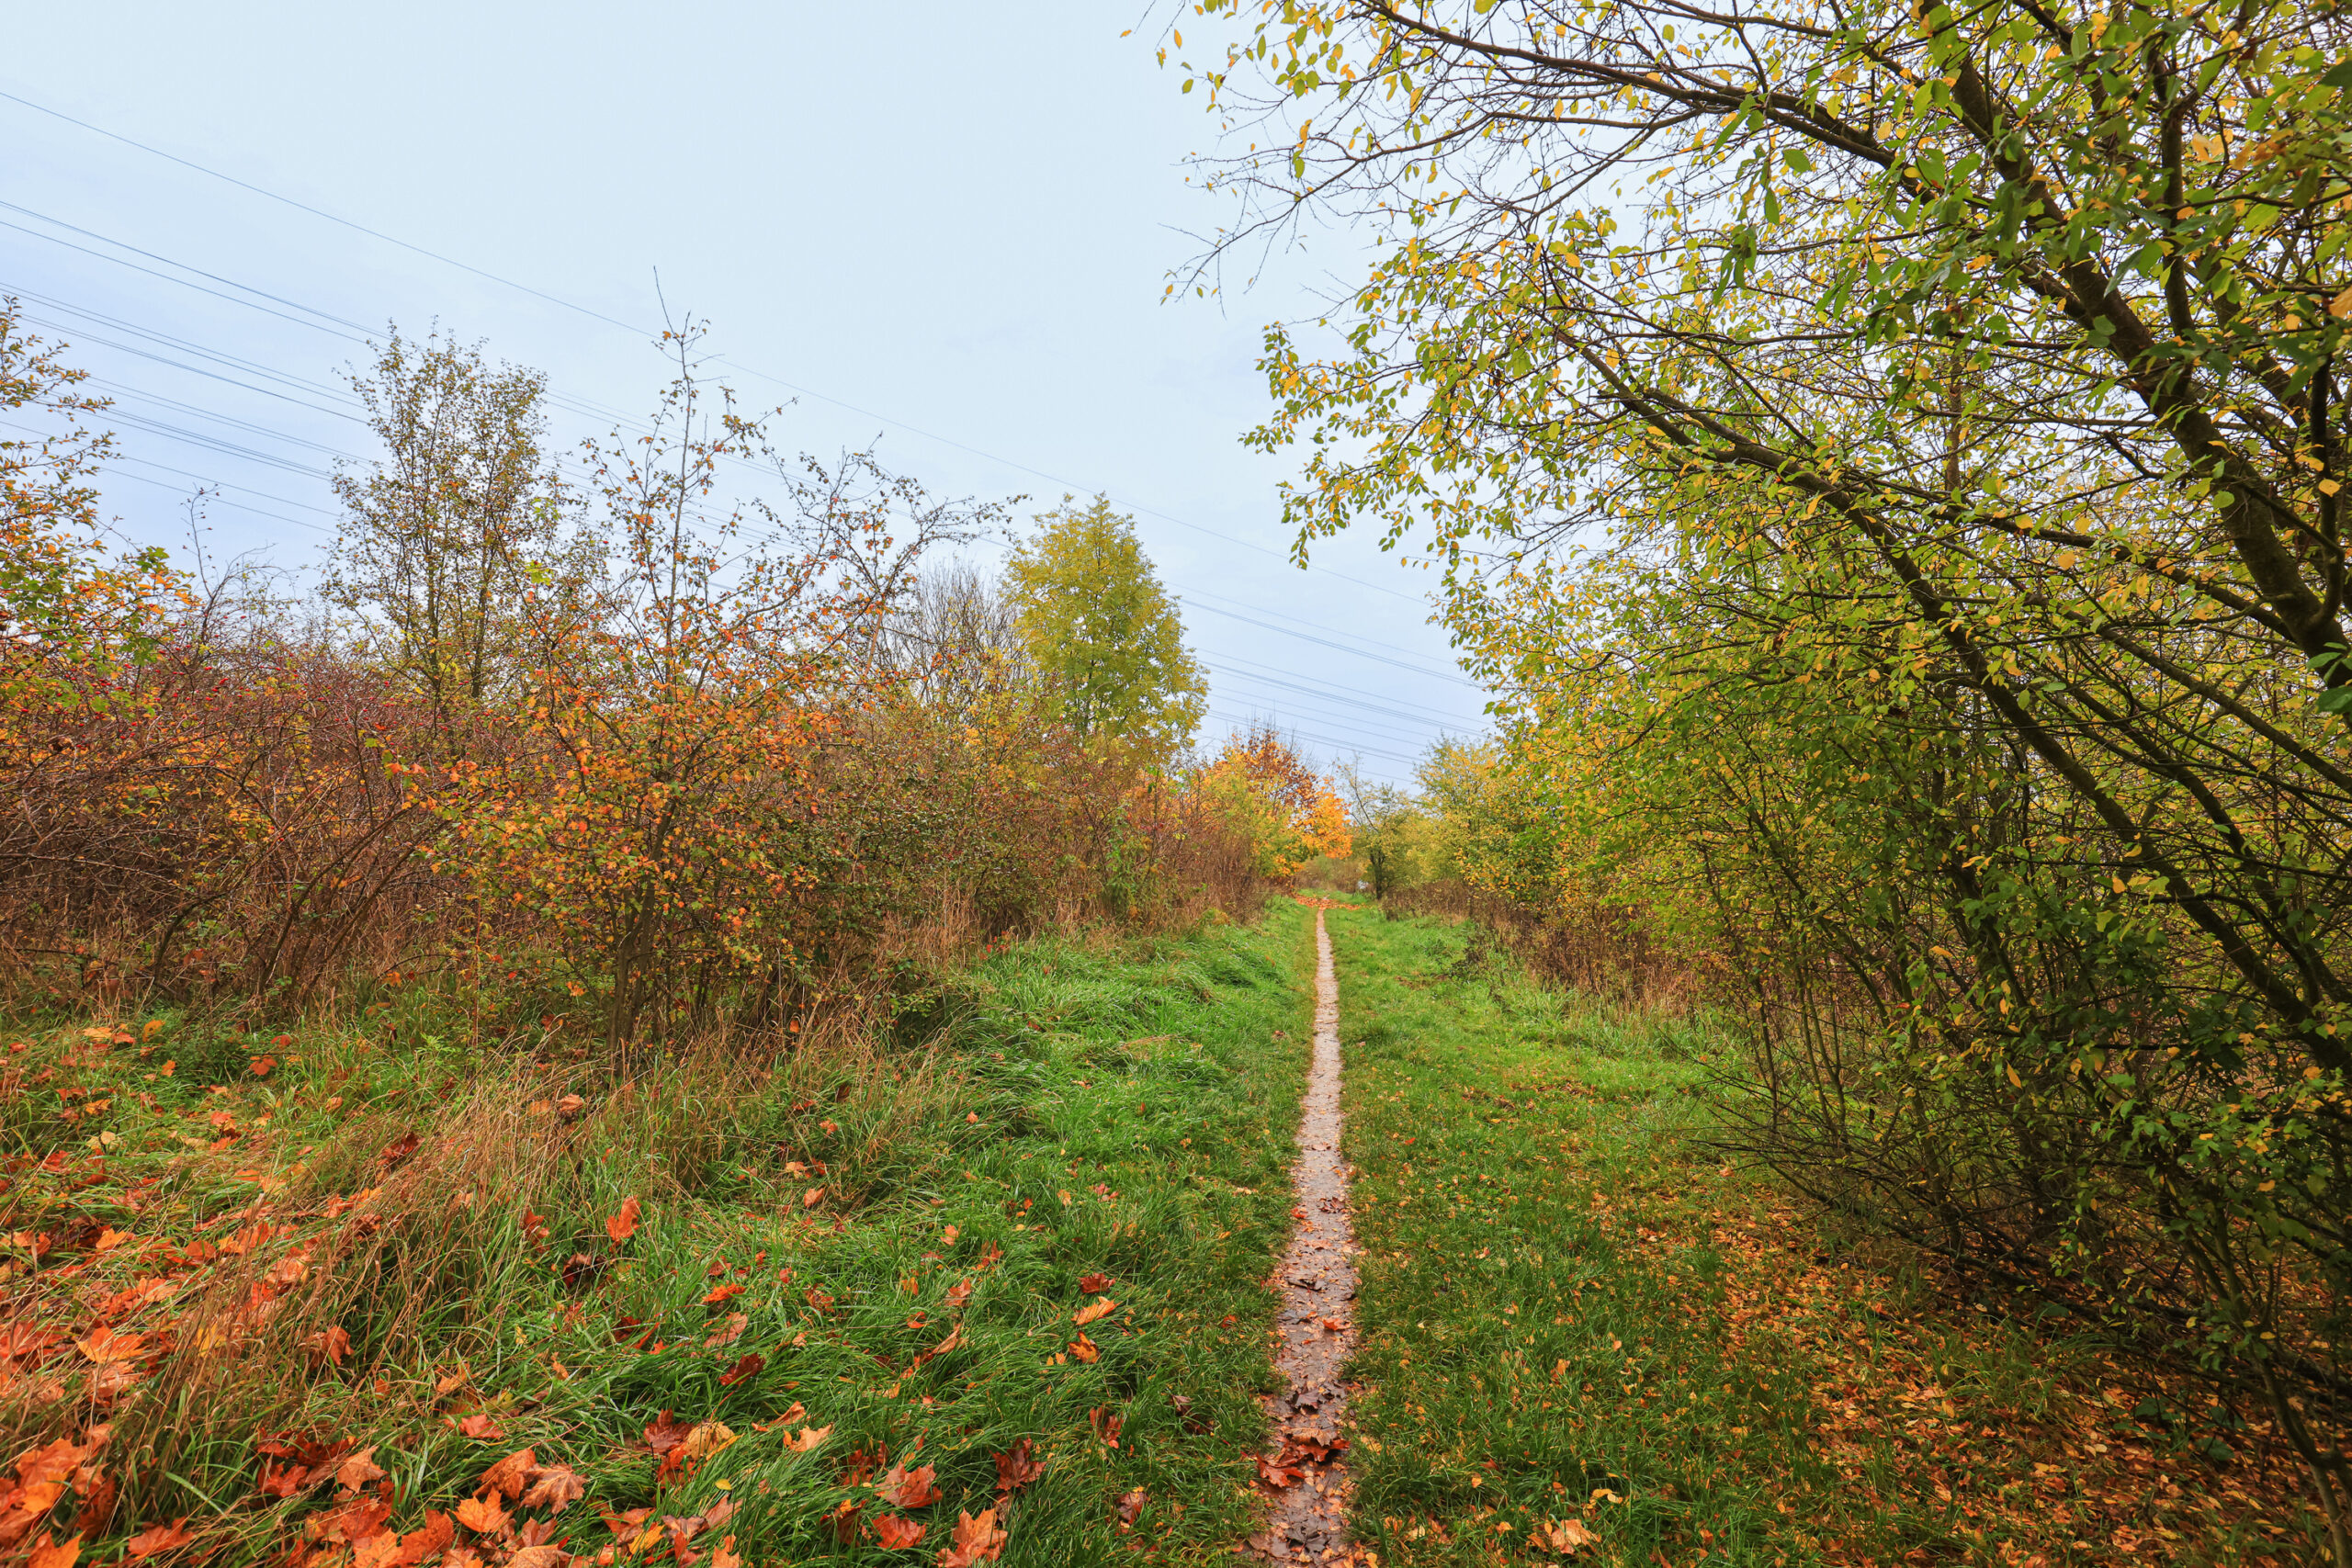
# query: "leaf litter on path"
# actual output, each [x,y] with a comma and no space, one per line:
[1307,1481]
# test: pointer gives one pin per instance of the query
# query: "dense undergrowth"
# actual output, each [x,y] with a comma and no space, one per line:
[1583,1330]
[288,1299]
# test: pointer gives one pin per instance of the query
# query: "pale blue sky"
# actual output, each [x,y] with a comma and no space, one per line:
[957,219]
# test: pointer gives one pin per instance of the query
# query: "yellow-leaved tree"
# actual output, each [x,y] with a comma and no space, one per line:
[1104,634]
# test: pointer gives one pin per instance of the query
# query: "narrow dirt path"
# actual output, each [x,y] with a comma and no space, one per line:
[1308,1479]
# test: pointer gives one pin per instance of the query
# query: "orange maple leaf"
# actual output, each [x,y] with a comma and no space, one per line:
[623,1225]
[62,1555]
[160,1538]
[908,1489]
[895,1533]
[103,1344]
[358,1469]
[978,1539]
[484,1516]
[506,1477]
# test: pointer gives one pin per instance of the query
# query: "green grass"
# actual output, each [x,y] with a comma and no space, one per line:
[1089,1109]
[1571,1310]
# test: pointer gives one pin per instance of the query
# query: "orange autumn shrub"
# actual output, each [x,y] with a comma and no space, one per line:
[714,796]
[1289,814]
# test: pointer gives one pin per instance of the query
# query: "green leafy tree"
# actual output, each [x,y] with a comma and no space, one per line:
[444,538]
[1103,634]
[1384,819]
[1893,461]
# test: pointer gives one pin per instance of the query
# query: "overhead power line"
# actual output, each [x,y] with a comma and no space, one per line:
[647,331]
[1287,627]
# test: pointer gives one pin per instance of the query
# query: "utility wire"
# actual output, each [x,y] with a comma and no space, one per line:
[646,332]
[581,406]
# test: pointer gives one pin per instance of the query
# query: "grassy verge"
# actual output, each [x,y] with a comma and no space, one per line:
[305,1316]
[1582,1333]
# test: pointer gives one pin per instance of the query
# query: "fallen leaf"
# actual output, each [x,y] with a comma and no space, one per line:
[666,1432]
[955,1338]
[358,1469]
[1309,1448]
[1565,1536]
[1100,1309]
[1275,1476]
[814,1196]
[623,1525]
[724,1555]
[1129,1508]
[1018,1468]
[808,1440]
[958,1293]
[484,1516]
[751,1365]
[330,1344]
[623,1225]
[62,1555]
[398,1150]
[481,1427]
[1106,1424]
[159,1537]
[707,1438]
[438,1530]
[1085,1350]
[895,1533]
[104,1345]
[507,1477]
[720,1295]
[977,1539]
[554,1487]
[1093,1284]
[731,1328]
[903,1488]
[543,1555]
[22,1341]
